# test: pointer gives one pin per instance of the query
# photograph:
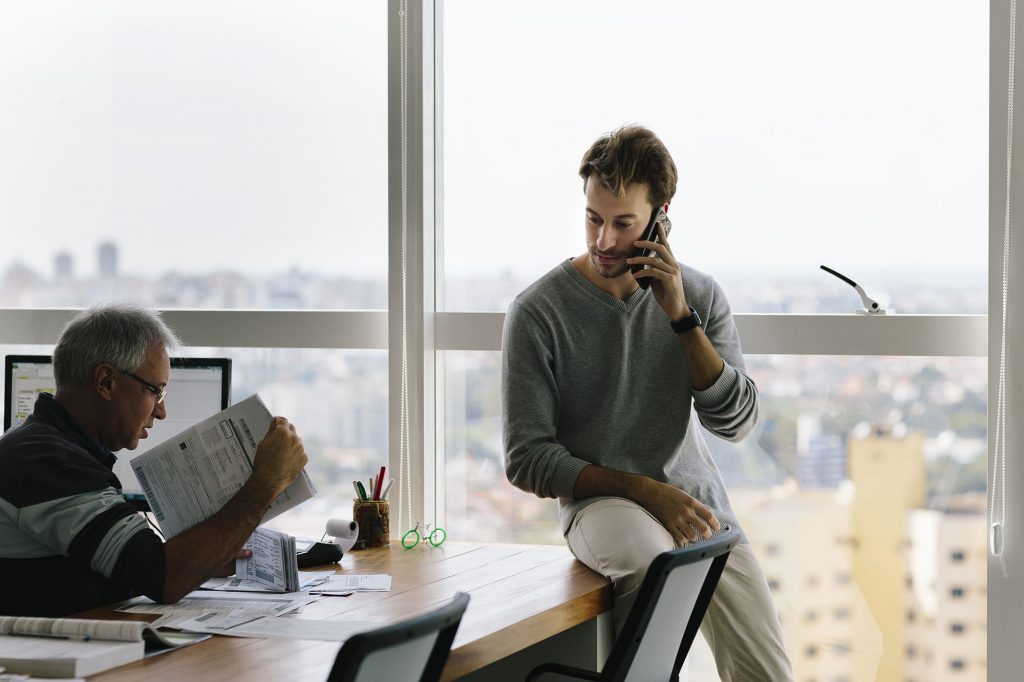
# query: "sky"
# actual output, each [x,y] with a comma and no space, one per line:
[251,136]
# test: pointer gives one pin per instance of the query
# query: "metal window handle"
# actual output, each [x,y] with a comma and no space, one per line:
[871,306]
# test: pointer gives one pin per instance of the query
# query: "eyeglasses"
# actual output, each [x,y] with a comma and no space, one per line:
[160,393]
[435,537]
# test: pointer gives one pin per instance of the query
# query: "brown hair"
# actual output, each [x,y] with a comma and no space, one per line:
[630,155]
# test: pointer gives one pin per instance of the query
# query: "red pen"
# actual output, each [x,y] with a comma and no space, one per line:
[380,483]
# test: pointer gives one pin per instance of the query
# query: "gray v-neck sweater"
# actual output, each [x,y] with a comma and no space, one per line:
[591,379]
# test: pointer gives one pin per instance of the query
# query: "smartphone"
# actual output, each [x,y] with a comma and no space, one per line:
[650,234]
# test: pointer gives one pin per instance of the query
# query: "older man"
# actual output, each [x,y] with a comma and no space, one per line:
[68,540]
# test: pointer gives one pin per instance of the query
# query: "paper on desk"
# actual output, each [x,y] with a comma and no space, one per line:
[349,582]
[189,477]
[307,579]
[201,602]
[283,628]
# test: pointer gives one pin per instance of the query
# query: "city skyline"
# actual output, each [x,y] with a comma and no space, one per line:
[809,291]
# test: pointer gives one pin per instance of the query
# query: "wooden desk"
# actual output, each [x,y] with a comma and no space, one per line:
[519,596]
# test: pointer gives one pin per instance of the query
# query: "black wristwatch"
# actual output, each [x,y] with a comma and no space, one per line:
[687,323]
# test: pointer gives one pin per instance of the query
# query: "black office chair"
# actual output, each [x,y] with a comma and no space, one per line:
[414,650]
[657,634]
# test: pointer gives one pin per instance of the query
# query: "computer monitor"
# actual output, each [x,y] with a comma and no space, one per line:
[198,388]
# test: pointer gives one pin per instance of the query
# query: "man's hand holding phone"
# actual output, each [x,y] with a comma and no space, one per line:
[662,268]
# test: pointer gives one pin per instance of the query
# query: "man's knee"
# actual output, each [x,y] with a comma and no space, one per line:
[619,540]
[635,554]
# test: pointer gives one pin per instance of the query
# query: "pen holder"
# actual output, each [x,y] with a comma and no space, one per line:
[374,525]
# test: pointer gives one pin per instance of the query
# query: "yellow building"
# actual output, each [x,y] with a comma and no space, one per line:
[889,480]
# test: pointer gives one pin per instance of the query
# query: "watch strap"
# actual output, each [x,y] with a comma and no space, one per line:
[687,323]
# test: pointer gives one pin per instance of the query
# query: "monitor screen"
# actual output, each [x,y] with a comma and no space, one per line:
[198,388]
[25,377]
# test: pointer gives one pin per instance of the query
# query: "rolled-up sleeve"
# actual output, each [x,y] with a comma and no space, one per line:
[729,407]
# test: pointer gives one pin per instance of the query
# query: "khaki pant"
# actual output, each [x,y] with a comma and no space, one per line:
[618,539]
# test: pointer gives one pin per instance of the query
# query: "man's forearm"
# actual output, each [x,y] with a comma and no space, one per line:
[703,361]
[683,516]
[595,481]
[196,554]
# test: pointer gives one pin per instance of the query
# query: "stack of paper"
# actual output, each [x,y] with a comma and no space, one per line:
[273,563]
[307,579]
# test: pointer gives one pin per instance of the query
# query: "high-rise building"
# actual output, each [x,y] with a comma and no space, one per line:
[63,266]
[823,465]
[108,259]
[802,539]
[889,480]
[820,457]
[946,592]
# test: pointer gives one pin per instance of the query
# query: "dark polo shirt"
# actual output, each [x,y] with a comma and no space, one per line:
[68,540]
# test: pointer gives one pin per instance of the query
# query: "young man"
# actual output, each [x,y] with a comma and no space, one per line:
[601,380]
[68,540]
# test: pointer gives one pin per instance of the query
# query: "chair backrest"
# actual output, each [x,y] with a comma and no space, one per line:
[668,610]
[414,650]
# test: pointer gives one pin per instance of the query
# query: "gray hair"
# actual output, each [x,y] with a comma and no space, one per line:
[118,334]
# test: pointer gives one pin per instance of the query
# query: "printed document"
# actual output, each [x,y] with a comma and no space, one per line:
[340,583]
[307,579]
[273,563]
[190,477]
[199,603]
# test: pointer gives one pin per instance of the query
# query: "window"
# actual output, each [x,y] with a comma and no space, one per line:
[204,159]
[774,125]
[874,165]
[205,156]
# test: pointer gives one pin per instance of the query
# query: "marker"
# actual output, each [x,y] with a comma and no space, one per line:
[362,491]
[384,495]
[380,483]
[355,486]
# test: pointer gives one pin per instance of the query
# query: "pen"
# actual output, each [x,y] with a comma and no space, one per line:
[380,483]
[362,491]
[384,495]
[355,486]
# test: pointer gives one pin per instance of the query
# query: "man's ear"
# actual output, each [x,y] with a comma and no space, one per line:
[104,380]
